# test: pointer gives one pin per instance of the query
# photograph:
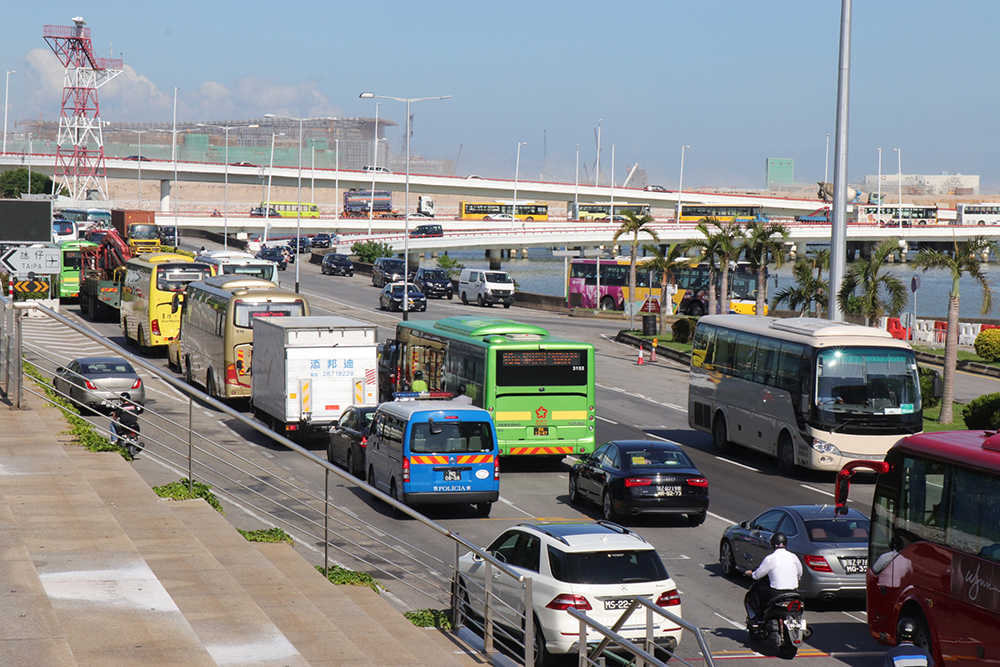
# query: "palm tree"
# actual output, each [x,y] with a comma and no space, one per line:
[878,291]
[966,260]
[764,240]
[808,289]
[729,251]
[634,225]
[708,246]
[663,264]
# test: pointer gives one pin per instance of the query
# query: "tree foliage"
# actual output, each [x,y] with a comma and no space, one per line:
[634,225]
[369,251]
[869,289]
[14,183]
[809,289]
[764,242]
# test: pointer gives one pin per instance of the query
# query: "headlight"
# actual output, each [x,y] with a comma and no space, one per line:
[824,447]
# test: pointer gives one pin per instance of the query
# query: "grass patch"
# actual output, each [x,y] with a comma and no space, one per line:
[431,618]
[932,425]
[344,577]
[266,535]
[664,340]
[180,491]
[963,355]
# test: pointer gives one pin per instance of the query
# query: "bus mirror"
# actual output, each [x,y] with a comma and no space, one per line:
[937,387]
[434,428]
[804,403]
[175,304]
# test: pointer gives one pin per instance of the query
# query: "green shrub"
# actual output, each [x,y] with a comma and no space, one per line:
[266,535]
[927,397]
[451,267]
[983,413]
[988,344]
[430,618]
[683,329]
[369,251]
[344,577]
[180,491]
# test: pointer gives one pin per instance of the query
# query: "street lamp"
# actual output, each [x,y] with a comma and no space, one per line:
[879,202]
[371,199]
[298,207]
[826,163]
[336,183]
[576,187]
[139,132]
[266,204]
[29,163]
[406,212]
[5,94]
[517,166]
[597,174]
[899,192]
[225,208]
[680,188]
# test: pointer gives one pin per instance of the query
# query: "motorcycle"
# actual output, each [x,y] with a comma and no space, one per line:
[125,425]
[782,625]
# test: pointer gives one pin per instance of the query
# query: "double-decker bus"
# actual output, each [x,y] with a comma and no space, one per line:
[290,209]
[934,548]
[742,213]
[215,346]
[151,291]
[539,389]
[690,295]
[981,215]
[69,268]
[602,211]
[894,215]
[526,210]
[813,393]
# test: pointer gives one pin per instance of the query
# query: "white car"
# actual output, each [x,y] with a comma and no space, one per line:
[501,217]
[596,568]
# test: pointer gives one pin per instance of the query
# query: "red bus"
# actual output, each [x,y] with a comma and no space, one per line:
[934,550]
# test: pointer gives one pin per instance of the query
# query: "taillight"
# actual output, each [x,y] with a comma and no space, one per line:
[698,481]
[364,441]
[793,605]
[231,375]
[137,383]
[669,598]
[406,469]
[496,468]
[90,385]
[566,600]
[817,563]
[637,481]
[155,326]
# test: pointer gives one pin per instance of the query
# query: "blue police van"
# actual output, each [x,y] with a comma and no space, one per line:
[434,452]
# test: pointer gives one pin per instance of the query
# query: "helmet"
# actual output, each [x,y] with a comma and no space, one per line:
[907,629]
[419,375]
[779,540]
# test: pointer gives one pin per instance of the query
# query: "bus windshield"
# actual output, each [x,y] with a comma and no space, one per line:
[148,232]
[71,259]
[539,368]
[867,380]
[246,311]
[175,277]
[453,437]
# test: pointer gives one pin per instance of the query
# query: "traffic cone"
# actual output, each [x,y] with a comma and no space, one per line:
[640,362]
[652,355]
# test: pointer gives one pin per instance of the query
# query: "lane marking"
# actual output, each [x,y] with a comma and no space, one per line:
[640,396]
[731,621]
[825,493]
[607,420]
[652,435]
[859,620]
[507,502]
[735,463]
[721,518]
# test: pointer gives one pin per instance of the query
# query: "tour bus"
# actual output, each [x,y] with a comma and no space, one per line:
[741,213]
[979,215]
[690,294]
[907,215]
[934,548]
[538,388]
[601,211]
[85,218]
[149,315]
[215,346]
[69,269]
[290,209]
[434,452]
[812,392]
[526,210]
[235,263]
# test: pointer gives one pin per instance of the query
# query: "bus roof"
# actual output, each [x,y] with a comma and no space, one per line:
[406,409]
[978,450]
[229,288]
[809,330]
[490,330]
[160,258]
[76,244]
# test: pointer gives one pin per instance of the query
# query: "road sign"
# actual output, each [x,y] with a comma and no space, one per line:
[914,283]
[40,260]
[32,286]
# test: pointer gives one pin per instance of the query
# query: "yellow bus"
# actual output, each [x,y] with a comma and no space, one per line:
[498,210]
[149,316]
[290,209]
[721,212]
[215,346]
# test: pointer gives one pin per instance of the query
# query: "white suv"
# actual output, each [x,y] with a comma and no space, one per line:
[595,567]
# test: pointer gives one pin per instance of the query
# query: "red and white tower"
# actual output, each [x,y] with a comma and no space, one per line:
[80,150]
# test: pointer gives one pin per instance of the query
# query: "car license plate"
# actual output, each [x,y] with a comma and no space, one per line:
[621,603]
[668,490]
[541,430]
[452,475]
[854,565]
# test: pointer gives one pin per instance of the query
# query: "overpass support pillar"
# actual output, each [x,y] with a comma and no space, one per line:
[800,250]
[165,202]
[495,254]
[414,260]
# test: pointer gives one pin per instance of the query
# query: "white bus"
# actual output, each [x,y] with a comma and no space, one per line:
[813,393]
[234,263]
[981,215]
[907,215]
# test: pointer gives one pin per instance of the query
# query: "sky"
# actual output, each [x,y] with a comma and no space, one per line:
[735,80]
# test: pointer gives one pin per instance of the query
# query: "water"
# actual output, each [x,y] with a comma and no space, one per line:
[542,273]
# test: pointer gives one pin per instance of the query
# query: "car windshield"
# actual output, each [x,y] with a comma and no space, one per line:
[435,274]
[62,227]
[396,266]
[607,567]
[656,459]
[838,530]
[498,278]
[337,258]
[106,368]
[398,289]
[453,437]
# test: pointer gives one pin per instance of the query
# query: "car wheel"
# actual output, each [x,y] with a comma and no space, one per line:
[479,300]
[483,509]
[351,274]
[450,296]
[608,507]
[697,518]
[786,455]
[727,558]
[329,452]
[506,305]
[720,435]
[465,299]
[542,656]
[351,463]
[574,492]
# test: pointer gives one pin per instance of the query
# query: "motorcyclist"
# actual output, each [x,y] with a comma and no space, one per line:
[906,653]
[419,384]
[124,420]
[783,571]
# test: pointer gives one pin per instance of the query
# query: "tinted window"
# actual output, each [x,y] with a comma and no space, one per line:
[247,311]
[607,567]
[435,274]
[104,367]
[454,437]
[768,521]
[654,458]
[838,530]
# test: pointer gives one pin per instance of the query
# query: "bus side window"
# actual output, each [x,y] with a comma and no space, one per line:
[725,351]
[746,351]
[767,361]
[791,367]
[701,347]
[974,515]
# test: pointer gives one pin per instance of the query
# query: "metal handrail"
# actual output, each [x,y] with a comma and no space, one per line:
[609,636]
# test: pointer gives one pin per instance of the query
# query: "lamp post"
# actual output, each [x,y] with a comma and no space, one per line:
[680,188]
[6,92]
[298,207]
[899,186]
[139,132]
[173,151]
[225,207]
[517,166]
[879,202]
[266,204]
[826,162]
[597,174]
[406,212]
[29,163]
[576,187]
[371,199]
[336,182]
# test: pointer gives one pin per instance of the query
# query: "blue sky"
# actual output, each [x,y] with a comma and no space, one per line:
[738,81]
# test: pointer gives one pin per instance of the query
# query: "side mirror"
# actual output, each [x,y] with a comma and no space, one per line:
[434,428]
[175,304]
[744,524]
[804,403]
[60,369]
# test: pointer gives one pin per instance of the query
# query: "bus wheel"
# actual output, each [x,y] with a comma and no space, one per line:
[607,303]
[210,385]
[141,341]
[128,341]
[484,509]
[786,454]
[720,436]
[188,375]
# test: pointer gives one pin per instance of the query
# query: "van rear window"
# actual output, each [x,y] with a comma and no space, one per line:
[455,437]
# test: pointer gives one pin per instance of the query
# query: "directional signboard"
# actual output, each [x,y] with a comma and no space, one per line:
[21,261]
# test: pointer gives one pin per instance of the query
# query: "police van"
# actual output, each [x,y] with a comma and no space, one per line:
[434,452]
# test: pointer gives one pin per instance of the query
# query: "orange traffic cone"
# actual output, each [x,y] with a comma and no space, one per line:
[640,362]
[652,355]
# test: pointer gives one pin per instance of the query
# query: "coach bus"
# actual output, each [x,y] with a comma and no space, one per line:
[813,393]
[215,346]
[234,263]
[742,213]
[290,209]
[149,316]
[934,548]
[690,294]
[69,268]
[526,210]
[539,389]
[906,215]
[601,211]
[981,215]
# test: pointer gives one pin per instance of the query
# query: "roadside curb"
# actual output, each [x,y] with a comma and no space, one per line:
[967,366]
[661,351]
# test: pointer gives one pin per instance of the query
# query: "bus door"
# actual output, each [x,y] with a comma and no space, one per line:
[451,456]
[239,372]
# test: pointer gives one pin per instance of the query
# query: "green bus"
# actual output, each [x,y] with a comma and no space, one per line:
[539,389]
[69,268]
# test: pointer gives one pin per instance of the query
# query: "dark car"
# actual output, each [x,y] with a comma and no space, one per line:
[833,547]
[391,297]
[300,244]
[387,270]
[427,231]
[630,477]
[655,188]
[273,255]
[168,235]
[137,158]
[258,212]
[244,164]
[323,240]
[348,439]
[336,264]
[434,282]
[99,382]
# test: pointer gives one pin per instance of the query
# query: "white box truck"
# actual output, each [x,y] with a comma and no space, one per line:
[308,370]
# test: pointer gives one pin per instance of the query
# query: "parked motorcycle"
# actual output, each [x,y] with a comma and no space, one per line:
[125,425]
[782,625]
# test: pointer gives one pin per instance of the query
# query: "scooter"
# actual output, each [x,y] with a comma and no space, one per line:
[782,625]
[125,425]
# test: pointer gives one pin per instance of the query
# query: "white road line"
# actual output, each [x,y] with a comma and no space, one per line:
[737,464]
[651,435]
[825,493]
[721,518]
[731,621]
[607,420]
[859,620]
[644,398]
[507,502]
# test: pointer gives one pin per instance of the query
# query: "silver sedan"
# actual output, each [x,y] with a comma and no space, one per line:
[99,382]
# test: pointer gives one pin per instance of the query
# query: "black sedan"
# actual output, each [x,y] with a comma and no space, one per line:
[630,477]
[273,255]
[336,264]
[434,282]
[391,297]
[300,244]
[321,240]
[348,439]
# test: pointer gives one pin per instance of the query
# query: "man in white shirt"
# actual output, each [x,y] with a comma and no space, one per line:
[783,571]
[461,396]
